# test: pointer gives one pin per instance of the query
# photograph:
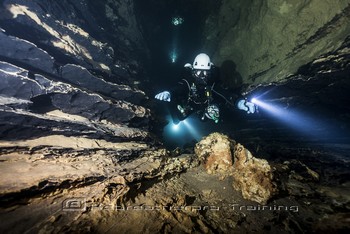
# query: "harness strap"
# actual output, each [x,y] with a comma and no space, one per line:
[227,101]
[188,84]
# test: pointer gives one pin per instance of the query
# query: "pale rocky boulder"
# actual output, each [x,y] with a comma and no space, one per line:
[214,151]
[253,176]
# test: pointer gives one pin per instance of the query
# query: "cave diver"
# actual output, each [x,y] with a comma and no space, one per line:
[195,93]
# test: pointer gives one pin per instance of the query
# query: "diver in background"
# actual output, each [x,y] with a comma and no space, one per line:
[198,92]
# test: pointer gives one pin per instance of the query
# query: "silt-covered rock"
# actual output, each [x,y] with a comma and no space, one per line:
[215,153]
[253,176]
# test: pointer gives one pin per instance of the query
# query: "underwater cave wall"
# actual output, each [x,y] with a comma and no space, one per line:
[270,40]
[77,58]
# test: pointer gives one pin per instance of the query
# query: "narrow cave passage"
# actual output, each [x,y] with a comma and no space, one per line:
[86,148]
[170,47]
[306,116]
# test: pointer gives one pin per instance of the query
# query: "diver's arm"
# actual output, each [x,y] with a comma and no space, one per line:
[176,93]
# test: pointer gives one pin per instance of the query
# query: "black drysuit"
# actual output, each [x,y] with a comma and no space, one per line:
[193,94]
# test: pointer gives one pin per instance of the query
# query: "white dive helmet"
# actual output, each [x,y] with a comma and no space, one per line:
[202,62]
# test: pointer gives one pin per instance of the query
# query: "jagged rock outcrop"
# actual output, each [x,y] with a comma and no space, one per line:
[253,176]
[64,178]
[296,178]
[215,153]
[74,132]
[77,32]
[55,160]
[61,73]
[74,184]
[36,106]
[268,41]
[14,49]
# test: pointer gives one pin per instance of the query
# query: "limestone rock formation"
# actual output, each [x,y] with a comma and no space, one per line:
[60,74]
[296,178]
[69,176]
[59,108]
[270,40]
[76,153]
[215,152]
[253,176]
[71,124]
[77,31]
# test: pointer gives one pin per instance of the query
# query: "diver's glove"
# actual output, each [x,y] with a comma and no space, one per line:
[246,106]
[163,96]
[212,112]
[188,65]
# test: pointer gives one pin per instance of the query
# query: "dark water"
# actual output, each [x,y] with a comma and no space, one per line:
[163,38]
[308,115]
